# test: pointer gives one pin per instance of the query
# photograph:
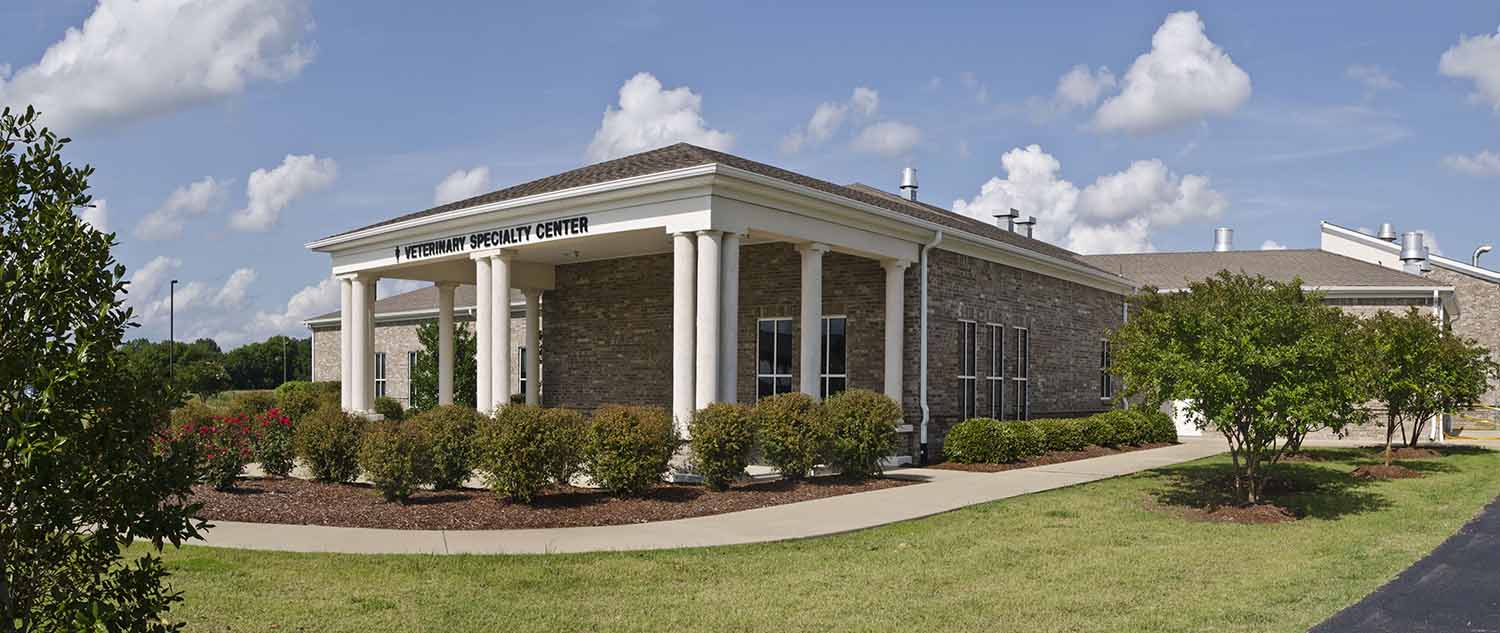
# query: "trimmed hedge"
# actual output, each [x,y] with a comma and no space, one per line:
[722,435]
[451,429]
[520,450]
[973,441]
[1062,435]
[862,430]
[390,408]
[397,458]
[328,442]
[300,398]
[627,448]
[982,440]
[568,460]
[792,432]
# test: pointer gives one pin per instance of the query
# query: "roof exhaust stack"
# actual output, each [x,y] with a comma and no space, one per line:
[1010,219]
[1474,261]
[1413,253]
[1388,232]
[1026,225]
[909,183]
[1223,239]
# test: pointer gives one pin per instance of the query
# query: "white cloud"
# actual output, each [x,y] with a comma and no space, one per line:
[232,294]
[828,118]
[865,101]
[1430,241]
[1478,59]
[96,214]
[980,90]
[131,60]
[305,303]
[166,222]
[888,138]
[1484,163]
[1185,77]
[269,192]
[649,117]
[462,184]
[1114,214]
[1373,78]
[1272,245]
[1081,87]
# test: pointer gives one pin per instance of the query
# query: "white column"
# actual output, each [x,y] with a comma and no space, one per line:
[346,343]
[684,265]
[503,350]
[895,310]
[533,347]
[359,347]
[371,284]
[729,323]
[483,311]
[708,319]
[809,367]
[445,341]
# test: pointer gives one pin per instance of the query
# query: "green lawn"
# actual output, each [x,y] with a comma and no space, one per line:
[1089,558]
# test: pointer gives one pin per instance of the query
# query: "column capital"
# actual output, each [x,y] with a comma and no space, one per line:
[710,232]
[498,253]
[813,247]
[895,264]
[445,285]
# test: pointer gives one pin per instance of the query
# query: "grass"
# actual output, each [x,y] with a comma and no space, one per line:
[1089,558]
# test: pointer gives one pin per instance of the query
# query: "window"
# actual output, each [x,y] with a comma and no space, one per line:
[411,369]
[996,377]
[521,362]
[966,369]
[1021,379]
[379,374]
[1106,384]
[835,375]
[773,357]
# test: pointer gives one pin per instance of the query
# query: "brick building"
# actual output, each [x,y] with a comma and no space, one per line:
[684,276]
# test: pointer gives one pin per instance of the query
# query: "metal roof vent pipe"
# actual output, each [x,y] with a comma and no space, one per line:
[1025,225]
[1388,232]
[909,183]
[1474,261]
[1413,253]
[1426,263]
[1223,239]
[1010,219]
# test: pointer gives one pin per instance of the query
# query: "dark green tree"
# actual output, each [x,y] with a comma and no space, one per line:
[424,378]
[1262,362]
[1421,371]
[262,365]
[81,473]
[195,367]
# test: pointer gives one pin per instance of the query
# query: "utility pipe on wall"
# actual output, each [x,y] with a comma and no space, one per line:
[922,380]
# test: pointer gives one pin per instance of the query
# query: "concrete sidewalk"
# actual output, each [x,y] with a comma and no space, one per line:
[943,490]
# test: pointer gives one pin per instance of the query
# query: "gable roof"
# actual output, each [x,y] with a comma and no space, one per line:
[1477,272]
[684,155]
[1316,268]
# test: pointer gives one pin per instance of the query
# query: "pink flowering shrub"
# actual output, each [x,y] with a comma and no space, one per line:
[223,445]
[273,448]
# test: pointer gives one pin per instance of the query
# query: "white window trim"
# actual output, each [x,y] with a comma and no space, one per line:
[380,375]
[411,370]
[996,378]
[521,369]
[1022,403]
[773,376]
[969,329]
[1106,381]
[823,374]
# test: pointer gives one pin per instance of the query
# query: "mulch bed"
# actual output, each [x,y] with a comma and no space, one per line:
[1055,457]
[1258,514]
[300,502]
[1381,471]
[1407,452]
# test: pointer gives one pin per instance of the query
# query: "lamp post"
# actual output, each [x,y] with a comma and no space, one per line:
[283,360]
[171,328]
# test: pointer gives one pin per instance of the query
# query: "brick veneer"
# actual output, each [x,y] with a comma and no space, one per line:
[397,340]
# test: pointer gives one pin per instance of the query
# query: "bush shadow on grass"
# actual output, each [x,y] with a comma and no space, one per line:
[1305,490]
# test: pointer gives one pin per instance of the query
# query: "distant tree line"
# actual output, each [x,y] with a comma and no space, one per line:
[203,368]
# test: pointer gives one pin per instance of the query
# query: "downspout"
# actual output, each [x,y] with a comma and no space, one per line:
[922,372]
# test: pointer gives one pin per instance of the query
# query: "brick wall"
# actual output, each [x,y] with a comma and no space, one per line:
[1479,315]
[397,340]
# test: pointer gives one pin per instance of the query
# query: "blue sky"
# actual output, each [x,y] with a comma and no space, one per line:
[228,134]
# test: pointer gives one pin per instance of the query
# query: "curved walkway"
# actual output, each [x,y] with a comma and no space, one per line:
[943,491]
[1451,589]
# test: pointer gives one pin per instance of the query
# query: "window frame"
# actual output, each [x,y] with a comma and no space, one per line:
[995,380]
[968,358]
[823,363]
[773,376]
[1106,380]
[380,375]
[1021,376]
[411,370]
[521,374]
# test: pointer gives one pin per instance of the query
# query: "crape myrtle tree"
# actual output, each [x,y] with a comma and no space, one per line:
[424,377]
[1261,362]
[81,473]
[1420,371]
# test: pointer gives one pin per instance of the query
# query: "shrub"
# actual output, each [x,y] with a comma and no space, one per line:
[1026,439]
[973,441]
[1130,427]
[390,408]
[191,411]
[722,436]
[571,425]
[627,448]
[1159,426]
[273,446]
[328,441]
[1099,431]
[222,445]
[396,457]
[299,398]
[521,450]
[1062,435]
[793,434]
[250,404]
[451,430]
[862,427]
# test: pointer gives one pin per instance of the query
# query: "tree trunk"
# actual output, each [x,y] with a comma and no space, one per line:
[1390,430]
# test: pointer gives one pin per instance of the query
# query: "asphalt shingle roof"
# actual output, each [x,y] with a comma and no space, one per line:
[1315,267]
[423,299]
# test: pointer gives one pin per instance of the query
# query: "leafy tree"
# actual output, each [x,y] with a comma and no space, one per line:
[262,365]
[424,378]
[196,367]
[80,473]
[1420,371]
[1261,362]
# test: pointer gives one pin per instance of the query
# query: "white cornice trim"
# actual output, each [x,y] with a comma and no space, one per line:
[1450,264]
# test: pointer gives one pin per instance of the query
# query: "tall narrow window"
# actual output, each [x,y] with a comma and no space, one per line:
[996,378]
[1106,383]
[521,362]
[966,369]
[1022,376]
[379,374]
[773,357]
[411,369]
[835,375]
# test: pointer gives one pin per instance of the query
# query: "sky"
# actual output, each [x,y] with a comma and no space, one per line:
[226,135]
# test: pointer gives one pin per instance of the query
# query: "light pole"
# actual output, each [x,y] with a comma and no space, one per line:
[171,328]
[283,360]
